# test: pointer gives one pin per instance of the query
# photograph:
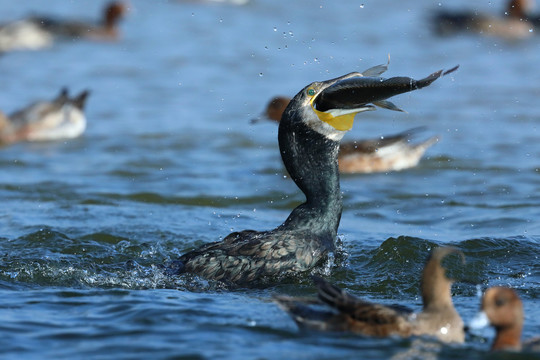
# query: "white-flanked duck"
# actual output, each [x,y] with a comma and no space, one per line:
[40,31]
[61,118]
[24,35]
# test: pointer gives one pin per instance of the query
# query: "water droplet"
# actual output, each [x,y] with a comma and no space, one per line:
[261,74]
[361,6]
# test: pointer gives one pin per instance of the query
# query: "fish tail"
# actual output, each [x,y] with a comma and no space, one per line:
[431,78]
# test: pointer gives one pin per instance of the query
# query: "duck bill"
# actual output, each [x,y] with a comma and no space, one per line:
[479,321]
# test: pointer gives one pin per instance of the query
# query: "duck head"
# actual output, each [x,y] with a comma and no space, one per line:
[502,308]
[113,13]
[276,107]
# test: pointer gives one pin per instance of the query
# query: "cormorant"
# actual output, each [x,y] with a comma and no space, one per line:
[309,136]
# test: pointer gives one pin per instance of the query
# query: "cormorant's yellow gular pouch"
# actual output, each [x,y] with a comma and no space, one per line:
[339,119]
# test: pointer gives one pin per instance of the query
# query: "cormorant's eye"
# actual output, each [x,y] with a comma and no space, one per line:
[311,92]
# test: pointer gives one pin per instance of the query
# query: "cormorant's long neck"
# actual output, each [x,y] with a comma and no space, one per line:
[311,160]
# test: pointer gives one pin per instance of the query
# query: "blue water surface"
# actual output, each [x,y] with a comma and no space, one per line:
[171,160]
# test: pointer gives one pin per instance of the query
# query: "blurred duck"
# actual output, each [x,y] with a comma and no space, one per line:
[61,118]
[38,32]
[23,35]
[502,308]
[345,312]
[524,8]
[388,153]
[309,135]
[225,2]
[107,29]
[513,25]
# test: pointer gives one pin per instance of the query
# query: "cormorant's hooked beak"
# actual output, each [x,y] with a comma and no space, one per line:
[338,103]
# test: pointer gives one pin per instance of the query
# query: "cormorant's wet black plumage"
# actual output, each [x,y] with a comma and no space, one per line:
[309,147]
[308,234]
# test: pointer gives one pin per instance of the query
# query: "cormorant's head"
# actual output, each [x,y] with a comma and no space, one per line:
[333,122]
[329,107]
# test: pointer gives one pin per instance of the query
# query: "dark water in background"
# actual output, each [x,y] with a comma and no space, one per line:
[170,161]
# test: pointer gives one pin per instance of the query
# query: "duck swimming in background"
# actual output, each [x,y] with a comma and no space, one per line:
[513,25]
[309,135]
[23,35]
[346,312]
[38,32]
[61,118]
[107,29]
[502,308]
[388,153]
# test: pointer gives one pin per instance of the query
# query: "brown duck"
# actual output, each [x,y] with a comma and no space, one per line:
[106,29]
[514,24]
[502,308]
[346,312]
[388,153]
